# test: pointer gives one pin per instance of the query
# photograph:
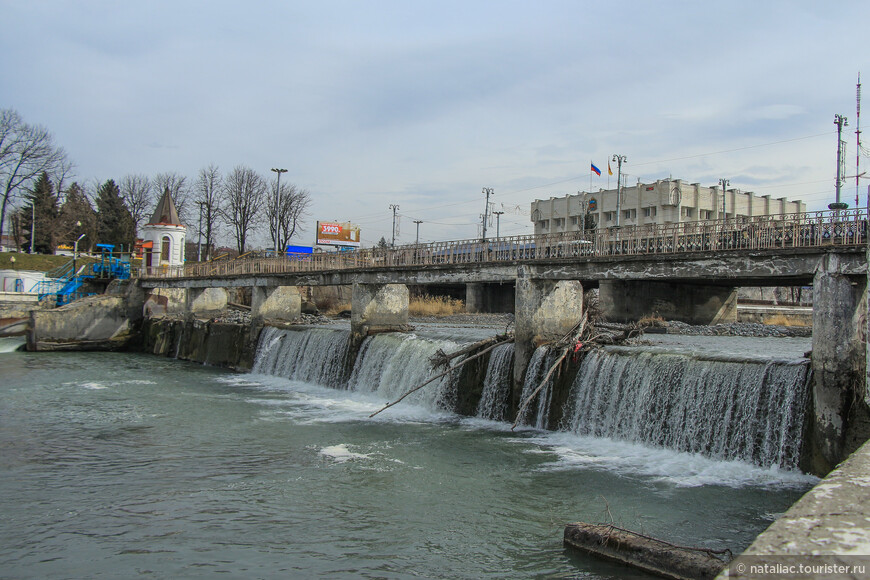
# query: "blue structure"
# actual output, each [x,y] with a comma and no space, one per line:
[65,282]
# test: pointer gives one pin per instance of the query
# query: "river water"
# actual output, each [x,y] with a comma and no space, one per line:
[114,465]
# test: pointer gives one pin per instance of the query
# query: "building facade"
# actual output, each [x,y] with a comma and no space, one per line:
[163,235]
[666,201]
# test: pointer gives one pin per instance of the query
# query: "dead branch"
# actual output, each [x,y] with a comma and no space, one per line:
[438,376]
[440,358]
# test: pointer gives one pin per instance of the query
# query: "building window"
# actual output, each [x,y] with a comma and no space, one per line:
[688,211]
[544,224]
[165,246]
[575,220]
[559,223]
[608,216]
[706,214]
[649,212]
[629,214]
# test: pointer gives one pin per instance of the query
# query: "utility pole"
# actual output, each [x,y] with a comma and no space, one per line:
[858,140]
[395,208]
[620,159]
[724,183]
[498,223]
[488,192]
[840,121]
[275,240]
[418,222]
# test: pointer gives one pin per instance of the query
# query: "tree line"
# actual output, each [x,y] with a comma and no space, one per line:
[39,202]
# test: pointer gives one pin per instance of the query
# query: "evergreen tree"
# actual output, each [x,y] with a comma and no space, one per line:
[383,243]
[43,206]
[77,216]
[115,223]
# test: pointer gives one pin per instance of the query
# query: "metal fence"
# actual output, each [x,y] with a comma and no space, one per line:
[804,230]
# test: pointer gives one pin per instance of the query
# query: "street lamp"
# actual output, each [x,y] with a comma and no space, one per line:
[498,224]
[201,204]
[724,183]
[277,204]
[76,253]
[620,159]
[418,222]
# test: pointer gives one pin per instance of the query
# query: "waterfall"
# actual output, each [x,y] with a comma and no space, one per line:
[497,384]
[750,410]
[314,355]
[539,408]
[390,364]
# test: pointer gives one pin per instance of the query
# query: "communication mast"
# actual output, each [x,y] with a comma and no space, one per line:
[858,140]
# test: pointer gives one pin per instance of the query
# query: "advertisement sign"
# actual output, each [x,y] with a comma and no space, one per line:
[337,234]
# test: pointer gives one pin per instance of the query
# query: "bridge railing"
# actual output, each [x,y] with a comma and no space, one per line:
[814,229]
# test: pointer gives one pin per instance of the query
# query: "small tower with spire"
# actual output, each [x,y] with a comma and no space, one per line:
[164,235]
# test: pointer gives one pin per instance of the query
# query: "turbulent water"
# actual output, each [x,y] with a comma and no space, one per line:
[751,410]
[493,403]
[116,465]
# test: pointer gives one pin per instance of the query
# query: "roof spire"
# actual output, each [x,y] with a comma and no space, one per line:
[165,212]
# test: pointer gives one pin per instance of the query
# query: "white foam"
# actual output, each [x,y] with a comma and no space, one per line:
[340,453]
[93,386]
[678,468]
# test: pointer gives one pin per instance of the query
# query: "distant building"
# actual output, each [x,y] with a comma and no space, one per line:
[666,201]
[163,235]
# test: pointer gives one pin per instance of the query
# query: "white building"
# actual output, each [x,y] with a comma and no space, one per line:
[164,235]
[666,201]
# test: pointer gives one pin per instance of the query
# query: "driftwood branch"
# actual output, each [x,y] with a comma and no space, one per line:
[441,358]
[438,376]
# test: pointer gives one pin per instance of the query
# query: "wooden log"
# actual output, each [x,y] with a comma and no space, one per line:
[648,554]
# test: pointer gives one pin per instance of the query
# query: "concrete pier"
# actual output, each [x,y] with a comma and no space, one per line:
[378,308]
[546,310]
[206,300]
[276,302]
[630,300]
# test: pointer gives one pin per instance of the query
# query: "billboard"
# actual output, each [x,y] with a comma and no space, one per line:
[337,234]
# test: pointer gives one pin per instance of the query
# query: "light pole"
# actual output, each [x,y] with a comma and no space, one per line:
[724,183]
[840,121]
[488,191]
[33,224]
[418,222]
[277,205]
[201,204]
[620,159]
[76,253]
[498,223]
[395,208]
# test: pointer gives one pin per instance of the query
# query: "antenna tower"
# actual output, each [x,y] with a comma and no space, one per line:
[858,139]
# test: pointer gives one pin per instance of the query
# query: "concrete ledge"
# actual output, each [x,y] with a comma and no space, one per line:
[832,519]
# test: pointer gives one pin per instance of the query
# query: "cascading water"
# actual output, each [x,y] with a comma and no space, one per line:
[392,364]
[493,403]
[315,355]
[537,412]
[387,364]
[750,410]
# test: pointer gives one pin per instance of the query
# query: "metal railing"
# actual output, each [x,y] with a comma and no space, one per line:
[804,230]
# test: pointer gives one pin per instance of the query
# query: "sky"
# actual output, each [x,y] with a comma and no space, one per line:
[422,104]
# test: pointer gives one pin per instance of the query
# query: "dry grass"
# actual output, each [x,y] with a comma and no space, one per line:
[782,320]
[651,320]
[435,306]
[334,307]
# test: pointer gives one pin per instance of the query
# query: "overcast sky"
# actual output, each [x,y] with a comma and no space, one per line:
[422,104]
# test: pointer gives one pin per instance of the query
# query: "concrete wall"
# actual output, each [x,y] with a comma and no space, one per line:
[631,300]
[206,300]
[163,301]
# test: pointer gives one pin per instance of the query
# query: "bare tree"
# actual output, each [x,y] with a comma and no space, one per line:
[138,194]
[244,192]
[26,151]
[178,188]
[286,210]
[207,195]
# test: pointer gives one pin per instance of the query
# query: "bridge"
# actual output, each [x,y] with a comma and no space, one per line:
[687,271]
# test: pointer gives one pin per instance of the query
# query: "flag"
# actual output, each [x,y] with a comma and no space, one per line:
[595,170]
[609,170]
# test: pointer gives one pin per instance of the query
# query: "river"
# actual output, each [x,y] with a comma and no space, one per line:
[115,465]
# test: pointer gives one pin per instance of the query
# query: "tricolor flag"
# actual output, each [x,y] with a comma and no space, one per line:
[595,169]
[609,170]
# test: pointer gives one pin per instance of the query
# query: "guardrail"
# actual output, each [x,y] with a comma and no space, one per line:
[804,230]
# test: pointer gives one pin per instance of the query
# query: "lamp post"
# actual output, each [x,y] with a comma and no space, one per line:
[620,159]
[724,183]
[76,252]
[33,225]
[418,222]
[201,204]
[488,191]
[395,208]
[277,205]
[840,121]
[497,223]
